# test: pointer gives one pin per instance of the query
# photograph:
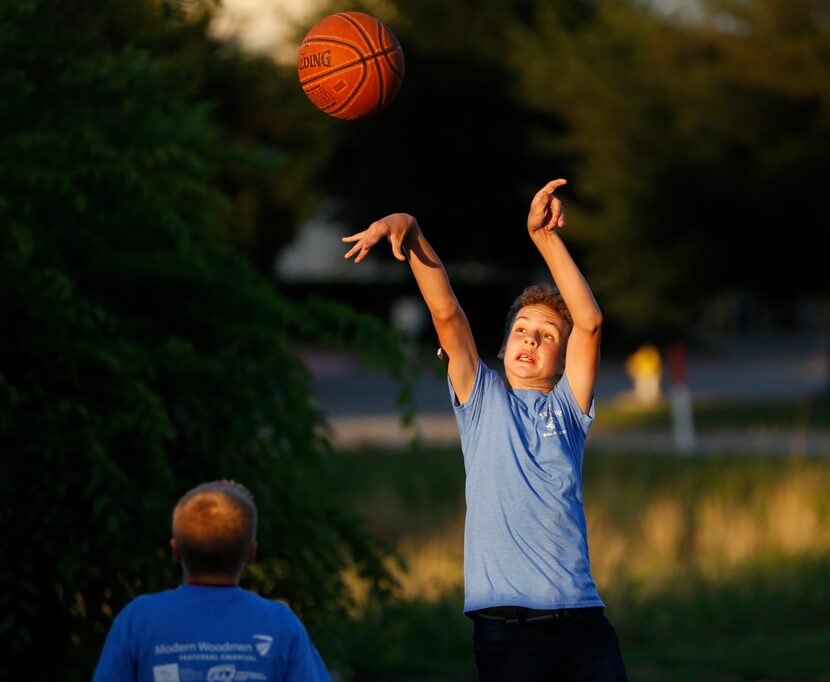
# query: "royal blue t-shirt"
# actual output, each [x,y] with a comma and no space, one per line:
[211,634]
[525,537]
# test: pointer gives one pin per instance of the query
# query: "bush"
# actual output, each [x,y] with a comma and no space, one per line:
[141,355]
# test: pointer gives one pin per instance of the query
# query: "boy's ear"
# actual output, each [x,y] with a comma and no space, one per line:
[177,557]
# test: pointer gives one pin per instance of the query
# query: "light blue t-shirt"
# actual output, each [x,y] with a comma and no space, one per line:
[212,634]
[525,538]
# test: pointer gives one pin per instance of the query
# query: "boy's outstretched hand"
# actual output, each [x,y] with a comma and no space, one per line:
[394,227]
[546,212]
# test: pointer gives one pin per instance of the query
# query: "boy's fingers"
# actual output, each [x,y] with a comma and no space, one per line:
[542,196]
[364,250]
[362,247]
[557,220]
[547,206]
[353,237]
[553,185]
[545,195]
[555,211]
[540,203]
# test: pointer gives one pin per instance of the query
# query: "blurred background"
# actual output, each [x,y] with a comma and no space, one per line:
[175,308]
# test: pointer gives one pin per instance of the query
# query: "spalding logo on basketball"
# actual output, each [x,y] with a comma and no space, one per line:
[350,65]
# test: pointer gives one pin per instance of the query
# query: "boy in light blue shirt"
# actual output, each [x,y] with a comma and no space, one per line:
[528,585]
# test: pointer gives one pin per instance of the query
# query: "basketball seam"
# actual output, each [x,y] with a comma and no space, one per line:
[354,94]
[392,66]
[383,30]
[396,46]
[359,28]
[383,86]
[362,31]
[351,97]
[320,38]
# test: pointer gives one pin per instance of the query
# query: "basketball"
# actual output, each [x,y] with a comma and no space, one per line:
[350,65]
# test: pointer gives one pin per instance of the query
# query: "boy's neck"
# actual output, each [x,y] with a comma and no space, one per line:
[542,388]
[210,580]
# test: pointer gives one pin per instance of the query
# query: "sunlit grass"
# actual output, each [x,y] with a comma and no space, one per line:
[804,413]
[653,520]
[650,519]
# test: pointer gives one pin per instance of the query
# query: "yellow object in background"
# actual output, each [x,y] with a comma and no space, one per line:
[645,368]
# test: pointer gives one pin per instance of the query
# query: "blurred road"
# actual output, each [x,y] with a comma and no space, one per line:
[361,403]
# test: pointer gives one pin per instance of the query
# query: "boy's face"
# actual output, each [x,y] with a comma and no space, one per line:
[534,353]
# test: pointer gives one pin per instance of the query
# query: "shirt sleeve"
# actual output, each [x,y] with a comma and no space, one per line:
[563,391]
[468,413]
[116,663]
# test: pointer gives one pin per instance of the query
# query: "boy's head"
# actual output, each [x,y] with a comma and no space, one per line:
[535,335]
[214,531]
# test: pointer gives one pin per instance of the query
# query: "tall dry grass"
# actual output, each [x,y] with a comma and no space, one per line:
[712,528]
[651,521]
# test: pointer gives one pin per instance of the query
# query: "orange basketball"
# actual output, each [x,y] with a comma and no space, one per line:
[350,65]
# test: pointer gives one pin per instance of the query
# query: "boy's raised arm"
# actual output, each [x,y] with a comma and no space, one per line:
[582,354]
[454,333]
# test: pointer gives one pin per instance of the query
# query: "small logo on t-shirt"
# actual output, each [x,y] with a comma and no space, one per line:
[549,426]
[221,673]
[263,644]
[166,673]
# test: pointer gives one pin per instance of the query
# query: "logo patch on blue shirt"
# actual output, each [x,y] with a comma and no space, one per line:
[550,426]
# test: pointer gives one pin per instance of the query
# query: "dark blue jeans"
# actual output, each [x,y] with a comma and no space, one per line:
[580,648]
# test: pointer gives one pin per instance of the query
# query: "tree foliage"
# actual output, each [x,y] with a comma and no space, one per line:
[697,141]
[142,353]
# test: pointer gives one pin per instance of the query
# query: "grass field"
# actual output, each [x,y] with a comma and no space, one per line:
[712,568]
[806,413]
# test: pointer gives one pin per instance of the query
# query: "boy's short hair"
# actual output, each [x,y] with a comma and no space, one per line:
[214,525]
[545,294]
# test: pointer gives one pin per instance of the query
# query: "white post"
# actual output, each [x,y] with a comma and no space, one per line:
[680,397]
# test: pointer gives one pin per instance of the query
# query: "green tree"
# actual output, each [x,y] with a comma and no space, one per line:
[700,147]
[141,353]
